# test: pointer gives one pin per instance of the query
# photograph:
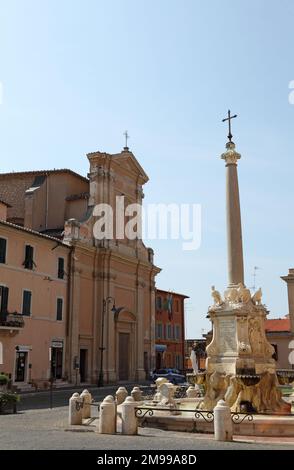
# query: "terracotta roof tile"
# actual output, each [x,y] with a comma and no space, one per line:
[33,232]
[43,172]
[5,203]
[277,324]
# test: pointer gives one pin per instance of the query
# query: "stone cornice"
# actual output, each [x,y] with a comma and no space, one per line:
[104,275]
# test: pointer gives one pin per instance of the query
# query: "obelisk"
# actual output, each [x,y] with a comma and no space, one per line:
[234,228]
[240,368]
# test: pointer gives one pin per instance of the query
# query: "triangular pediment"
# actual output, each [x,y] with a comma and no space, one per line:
[128,161]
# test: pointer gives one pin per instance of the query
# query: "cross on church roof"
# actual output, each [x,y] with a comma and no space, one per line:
[127,138]
[229,119]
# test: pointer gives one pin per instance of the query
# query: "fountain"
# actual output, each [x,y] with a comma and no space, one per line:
[240,368]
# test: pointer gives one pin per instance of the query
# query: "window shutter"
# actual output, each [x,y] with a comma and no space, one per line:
[2,250]
[59,309]
[60,268]
[4,299]
[29,257]
[26,305]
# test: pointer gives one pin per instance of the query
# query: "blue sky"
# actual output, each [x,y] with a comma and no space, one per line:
[75,74]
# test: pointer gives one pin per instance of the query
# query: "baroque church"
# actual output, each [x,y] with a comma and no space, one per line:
[102,291]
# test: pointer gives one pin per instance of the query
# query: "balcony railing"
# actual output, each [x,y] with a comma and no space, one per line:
[11,320]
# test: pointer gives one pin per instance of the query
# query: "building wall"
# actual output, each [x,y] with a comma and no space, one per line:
[3,211]
[12,191]
[175,347]
[281,341]
[44,206]
[41,327]
[76,209]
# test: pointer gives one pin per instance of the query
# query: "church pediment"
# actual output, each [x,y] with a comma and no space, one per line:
[128,161]
[127,316]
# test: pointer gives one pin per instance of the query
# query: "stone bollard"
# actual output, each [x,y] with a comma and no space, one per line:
[121,394]
[136,394]
[128,417]
[87,399]
[75,410]
[107,419]
[223,425]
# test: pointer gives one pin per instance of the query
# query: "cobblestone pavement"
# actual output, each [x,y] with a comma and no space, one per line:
[48,429]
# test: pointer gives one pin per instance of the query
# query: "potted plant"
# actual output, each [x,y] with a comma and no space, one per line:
[8,400]
[3,381]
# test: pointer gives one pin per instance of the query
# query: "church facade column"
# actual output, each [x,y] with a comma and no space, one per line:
[74,347]
[140,294]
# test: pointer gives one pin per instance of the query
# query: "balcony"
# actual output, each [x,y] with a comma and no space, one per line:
[10,323]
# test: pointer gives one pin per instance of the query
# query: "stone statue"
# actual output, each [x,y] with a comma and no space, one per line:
[194,361]
[232,391]
[216,296]
[256,298]
[232,295]
[244,294]
[256,340]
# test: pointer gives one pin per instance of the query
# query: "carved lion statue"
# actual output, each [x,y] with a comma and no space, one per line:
[216,296]
[244,294]
[256,298]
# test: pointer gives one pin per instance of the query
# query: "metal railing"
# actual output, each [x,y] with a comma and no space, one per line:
[142,412]
[11,319]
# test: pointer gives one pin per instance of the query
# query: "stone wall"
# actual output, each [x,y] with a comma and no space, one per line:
[12,191]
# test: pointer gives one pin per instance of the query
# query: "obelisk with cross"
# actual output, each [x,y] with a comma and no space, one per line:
[234,227]
[240,368]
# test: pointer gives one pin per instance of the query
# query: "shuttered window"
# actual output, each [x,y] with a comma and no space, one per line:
[27,302]
[59,308]
[60,268]
[2,250]
[159,303]
[4,292]
[29,257]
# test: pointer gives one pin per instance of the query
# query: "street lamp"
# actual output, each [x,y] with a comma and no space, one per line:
[115,311]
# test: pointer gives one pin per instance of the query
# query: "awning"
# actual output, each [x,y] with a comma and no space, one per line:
[160,347]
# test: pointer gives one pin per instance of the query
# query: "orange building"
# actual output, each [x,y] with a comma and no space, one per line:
[33,305]
[170,329]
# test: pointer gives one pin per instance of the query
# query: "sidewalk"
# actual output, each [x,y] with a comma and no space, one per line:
[81,387]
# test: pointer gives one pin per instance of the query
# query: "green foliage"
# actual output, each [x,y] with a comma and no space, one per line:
[3,379]
[7,398]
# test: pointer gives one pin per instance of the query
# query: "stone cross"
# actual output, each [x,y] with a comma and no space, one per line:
[127,138]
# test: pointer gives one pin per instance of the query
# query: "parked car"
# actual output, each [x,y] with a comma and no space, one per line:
[172,375]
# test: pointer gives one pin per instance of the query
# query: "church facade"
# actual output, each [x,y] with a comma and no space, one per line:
[108,323]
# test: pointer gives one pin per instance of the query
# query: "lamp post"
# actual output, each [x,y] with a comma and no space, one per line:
[115,311]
